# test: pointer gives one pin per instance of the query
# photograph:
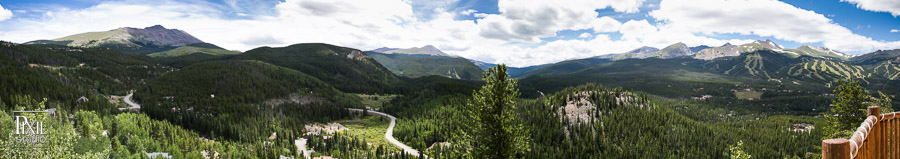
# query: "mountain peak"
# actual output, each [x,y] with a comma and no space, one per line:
[157,26]
[818,51]
[151,39]
[424,50]
[644,49]
[679,44]
[674,50]
[163,36]
[432,49]
[769,44]
[384,49]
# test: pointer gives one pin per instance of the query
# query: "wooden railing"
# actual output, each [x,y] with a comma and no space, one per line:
[877,137]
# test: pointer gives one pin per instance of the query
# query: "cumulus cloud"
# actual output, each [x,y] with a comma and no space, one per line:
[605,24]
[5,13]
[763,18]
[627,6]
[366,24]
[895,30]
[361,24]
[890,6]
[530,20]
[496,38]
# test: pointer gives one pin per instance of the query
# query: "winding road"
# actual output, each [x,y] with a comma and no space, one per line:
[390,131]
[130,103]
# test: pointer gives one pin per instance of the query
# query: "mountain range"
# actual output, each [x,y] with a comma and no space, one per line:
[178,48]
[149,40]
[427,50]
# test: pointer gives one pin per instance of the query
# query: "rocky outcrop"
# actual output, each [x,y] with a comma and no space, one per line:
[163,36]
[716,52]
[674,50]
[767,44]
[642,52]
[425,50]
[357,55]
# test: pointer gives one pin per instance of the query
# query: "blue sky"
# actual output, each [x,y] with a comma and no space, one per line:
[516,32]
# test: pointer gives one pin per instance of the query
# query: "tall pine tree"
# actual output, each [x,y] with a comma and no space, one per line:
[489,128]
[847,111]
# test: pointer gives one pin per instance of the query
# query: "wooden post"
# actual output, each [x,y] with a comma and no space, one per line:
[874,110]
[836,149]
[874,136]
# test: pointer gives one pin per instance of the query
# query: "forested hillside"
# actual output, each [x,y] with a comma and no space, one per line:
[418,66]
[346,69]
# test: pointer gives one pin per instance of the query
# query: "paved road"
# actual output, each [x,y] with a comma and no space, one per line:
[301,146]
[390,131]
[130,103]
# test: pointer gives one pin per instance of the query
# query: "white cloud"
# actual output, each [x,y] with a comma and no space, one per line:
[763,18]
[890,6]
[642,33]
[358,24]
[605,24]
[627,6]
[497,38]
[637,30]
[584,35]
[895,30]
[467,12]
[367,24]
[425,9]
[5,14]
[529,20]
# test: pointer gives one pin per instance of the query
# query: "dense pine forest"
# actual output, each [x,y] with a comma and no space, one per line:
[264,102]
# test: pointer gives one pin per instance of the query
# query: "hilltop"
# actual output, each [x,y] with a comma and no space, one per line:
[427,50]
[130,40]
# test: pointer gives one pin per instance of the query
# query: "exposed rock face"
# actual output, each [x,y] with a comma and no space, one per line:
[674,50]
[451,73]
[767,44]
[425,50]
[357,55]
[578,108]
[642,52]
[607,56]
[818,51]
[163,36]
[432,49]
[155,35]
[294,98]
[716,52]
[696,49]
[639,53]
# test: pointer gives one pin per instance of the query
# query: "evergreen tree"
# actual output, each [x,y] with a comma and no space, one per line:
[489,126]
[847,111]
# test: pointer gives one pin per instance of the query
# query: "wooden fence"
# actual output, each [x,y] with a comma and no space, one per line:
[877,137]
